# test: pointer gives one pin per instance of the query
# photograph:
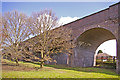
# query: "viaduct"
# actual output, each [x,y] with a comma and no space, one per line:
[94,30]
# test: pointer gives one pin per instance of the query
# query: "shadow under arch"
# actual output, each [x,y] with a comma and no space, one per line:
[87,43]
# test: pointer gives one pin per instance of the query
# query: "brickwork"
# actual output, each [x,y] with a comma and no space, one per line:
[94,30]
[89,32]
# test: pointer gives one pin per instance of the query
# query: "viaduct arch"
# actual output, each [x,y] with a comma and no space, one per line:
[87,43]
[91,31]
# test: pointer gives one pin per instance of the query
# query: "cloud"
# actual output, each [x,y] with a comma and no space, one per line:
[65,20]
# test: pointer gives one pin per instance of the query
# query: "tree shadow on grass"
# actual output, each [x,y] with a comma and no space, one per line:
[6,64]
[88,69]
[14,67]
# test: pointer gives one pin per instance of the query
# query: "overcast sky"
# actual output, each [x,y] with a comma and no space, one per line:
[66,12]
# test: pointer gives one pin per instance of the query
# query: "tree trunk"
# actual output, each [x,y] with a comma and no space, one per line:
[16,60]
[42,61]
[41,64]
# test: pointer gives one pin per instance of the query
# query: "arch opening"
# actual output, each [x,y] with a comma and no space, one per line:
[105,55]
[87,43]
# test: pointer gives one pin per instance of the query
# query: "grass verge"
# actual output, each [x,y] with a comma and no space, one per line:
[30,70]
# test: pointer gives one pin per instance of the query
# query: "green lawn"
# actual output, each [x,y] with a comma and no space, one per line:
[31,70]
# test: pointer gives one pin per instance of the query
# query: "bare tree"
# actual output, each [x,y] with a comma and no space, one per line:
[15,30]
[49,40]
[0,37]
[0,29]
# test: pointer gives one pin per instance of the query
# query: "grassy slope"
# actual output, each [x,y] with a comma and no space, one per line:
[52,71]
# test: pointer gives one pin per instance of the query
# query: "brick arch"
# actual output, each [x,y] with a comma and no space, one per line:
[87,43]
[108,21]
[95,35]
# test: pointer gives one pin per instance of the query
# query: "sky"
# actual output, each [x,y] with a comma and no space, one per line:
[66,12]
[60,0]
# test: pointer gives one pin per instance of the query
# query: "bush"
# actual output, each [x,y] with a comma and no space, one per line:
[106,64]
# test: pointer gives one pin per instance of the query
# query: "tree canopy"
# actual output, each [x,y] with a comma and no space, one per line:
[18,27]
[100,51]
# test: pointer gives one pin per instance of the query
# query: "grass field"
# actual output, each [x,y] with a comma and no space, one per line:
[30,70]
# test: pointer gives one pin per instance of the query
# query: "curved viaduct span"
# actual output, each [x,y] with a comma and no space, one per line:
[94,30]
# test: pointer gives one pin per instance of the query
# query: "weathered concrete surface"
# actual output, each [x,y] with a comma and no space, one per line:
[91,31]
